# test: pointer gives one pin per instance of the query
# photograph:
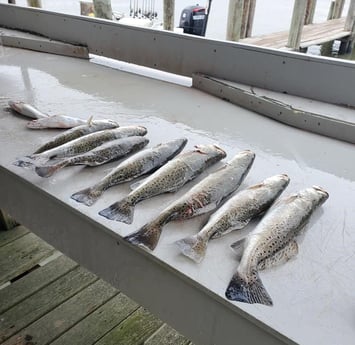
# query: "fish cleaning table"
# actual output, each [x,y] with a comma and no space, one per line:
[314,299]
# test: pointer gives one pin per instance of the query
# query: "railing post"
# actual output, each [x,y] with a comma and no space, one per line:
[169,9]
[298,15]
[235,18]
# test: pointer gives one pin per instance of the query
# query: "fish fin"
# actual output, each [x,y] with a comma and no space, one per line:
[121,211]
[90,120]
[235,226]
[49,170]
[147,236]
[30,161]
[135,185]
[238,248]
[194,247]
[280,257]
[87,196]
[35,124]
[248,289]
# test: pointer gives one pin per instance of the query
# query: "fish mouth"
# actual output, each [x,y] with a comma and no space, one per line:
[321,190]
[220,150]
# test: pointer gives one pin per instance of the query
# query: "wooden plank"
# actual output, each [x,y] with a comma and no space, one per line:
[312,34]
[100,322]
[40,303]
[134,330]
[21,255]
[168,336]
[60,319]
[10,236]
[31,283]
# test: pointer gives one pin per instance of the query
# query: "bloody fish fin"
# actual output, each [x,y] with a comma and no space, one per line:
[194,247]
[87,196]
[121,211]
[249,290]
[49,170]
[146,237]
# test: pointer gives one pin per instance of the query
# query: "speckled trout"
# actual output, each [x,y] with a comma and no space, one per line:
[42,120]
[81,145]
[203,197]
[26,110]
[272,242]
[169,178]
[139,164]
[107,152]
[76,132]
[235,214]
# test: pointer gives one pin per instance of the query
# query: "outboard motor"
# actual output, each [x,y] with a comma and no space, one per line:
[194,20]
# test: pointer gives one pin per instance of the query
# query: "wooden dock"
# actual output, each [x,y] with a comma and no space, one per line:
[312,34]
[46,298]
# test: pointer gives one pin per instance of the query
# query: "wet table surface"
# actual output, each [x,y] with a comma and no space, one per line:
[314,299]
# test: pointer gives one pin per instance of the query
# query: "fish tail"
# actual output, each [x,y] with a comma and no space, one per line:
[147,236]
[49,170]
[194,247]
[121,211]
[87,196]
[248,289]
[26,161]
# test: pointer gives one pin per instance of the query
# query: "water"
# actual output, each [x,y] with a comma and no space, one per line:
[270,15]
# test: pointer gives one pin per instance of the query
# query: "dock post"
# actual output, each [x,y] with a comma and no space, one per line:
[103,9]
[298,16]
[248,18]
[347,46]
[169,9]
[234,21]
[310,9]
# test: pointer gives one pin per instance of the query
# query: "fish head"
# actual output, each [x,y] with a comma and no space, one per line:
[243,158]
[211,150]
[317,195]
[322,193]
[280,180]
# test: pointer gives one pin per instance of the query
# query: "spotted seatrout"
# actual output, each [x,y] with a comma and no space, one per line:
[27,110]
[102,154]
[235,214]
[169,178]
[81,145]
[141,163]
[56,121]
[76,132]
[204,197]
[272,242]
